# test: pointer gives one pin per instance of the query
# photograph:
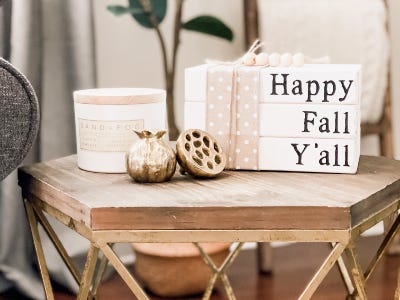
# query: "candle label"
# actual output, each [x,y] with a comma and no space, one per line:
[108,136]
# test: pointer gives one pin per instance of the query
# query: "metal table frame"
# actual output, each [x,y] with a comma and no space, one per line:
[342,242]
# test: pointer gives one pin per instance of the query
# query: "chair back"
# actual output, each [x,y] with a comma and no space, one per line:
[349,31]
[19,117]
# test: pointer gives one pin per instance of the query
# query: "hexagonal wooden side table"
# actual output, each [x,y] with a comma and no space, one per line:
[237,207]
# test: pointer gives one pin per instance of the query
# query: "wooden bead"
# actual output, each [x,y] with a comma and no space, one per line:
[249,59]
[298,59]
[286,59]
[274,59]
[262,59]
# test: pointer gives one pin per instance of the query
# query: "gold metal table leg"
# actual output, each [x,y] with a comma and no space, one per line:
[344,273]
[357,275]
[394,248]
[227,285]
[210,286]
[33,224]
[323,271]
[219,272]
[99,274]
[123,272]
[387,241]
[87,276]
[57,243]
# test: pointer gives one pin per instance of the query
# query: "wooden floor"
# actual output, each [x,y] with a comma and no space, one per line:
[294,266]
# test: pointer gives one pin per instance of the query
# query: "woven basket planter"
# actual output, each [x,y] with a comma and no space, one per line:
[176,270]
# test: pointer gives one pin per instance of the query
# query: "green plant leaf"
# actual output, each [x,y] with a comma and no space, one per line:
[159,9]
[209,25]
[119,10]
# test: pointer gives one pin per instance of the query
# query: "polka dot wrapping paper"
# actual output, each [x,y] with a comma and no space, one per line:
[304,118]
[232,113]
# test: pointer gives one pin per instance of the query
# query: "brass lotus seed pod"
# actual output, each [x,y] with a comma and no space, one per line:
[200,154]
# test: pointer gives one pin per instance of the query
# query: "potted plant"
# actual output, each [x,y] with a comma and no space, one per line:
[153,259]
[150,14]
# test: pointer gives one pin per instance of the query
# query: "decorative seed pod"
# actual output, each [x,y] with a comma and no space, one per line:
[150,159]
[200,154]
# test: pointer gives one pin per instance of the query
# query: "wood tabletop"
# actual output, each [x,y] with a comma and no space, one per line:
[235,200]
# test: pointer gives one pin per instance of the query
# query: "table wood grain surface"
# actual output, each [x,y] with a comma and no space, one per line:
[235,200]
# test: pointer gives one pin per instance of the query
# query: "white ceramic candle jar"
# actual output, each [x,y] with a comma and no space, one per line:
[105,120]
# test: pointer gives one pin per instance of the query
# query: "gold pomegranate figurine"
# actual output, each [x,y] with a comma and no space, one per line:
[150,159]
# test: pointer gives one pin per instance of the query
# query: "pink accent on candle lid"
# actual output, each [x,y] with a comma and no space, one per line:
[119,96]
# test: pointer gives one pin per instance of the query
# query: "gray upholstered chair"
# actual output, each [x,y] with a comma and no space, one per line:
[19,123]
[19,118]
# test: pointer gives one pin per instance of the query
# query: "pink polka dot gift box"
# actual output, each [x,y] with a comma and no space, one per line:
[276,113]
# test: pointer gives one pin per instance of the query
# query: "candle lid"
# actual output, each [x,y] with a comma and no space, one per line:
[119,96]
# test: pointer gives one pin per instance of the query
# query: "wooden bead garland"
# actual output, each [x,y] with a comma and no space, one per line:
[273,60]
[262,59]
[298,60]
[249,59]
[286,60]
